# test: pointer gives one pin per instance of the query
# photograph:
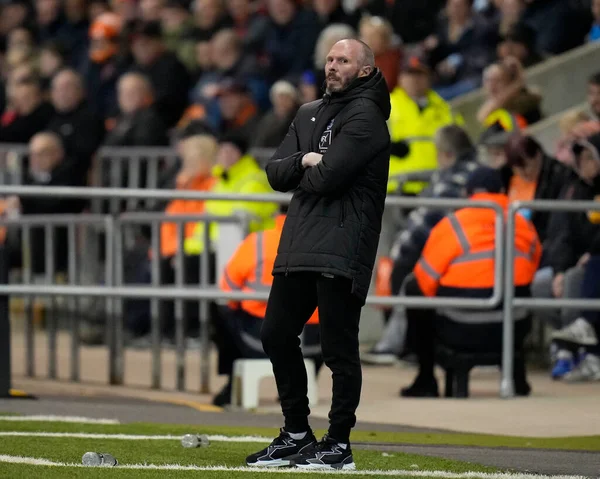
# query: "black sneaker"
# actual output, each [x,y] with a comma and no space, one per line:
[277,454]
[326,454]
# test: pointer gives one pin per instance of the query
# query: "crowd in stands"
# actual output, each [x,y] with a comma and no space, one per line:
[217,79]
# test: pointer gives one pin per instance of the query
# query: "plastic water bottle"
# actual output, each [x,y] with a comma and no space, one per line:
[96,459]
[195,440]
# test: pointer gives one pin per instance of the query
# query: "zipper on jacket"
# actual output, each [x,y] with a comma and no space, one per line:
[342,214]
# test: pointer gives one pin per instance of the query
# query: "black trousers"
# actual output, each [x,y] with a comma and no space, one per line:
[426,328]
[236,334]
[292,301]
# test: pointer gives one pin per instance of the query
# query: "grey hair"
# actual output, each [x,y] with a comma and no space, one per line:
[329,37]
[454,140]
[367,57]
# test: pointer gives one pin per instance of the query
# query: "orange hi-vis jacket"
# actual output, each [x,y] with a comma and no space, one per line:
[168,231]
[250,269]
[458,258]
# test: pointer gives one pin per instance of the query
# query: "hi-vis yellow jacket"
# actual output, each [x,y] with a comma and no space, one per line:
[245,177]
[417,127]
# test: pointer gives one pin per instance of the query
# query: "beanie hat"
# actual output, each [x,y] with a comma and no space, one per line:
[484,180]
[240,142]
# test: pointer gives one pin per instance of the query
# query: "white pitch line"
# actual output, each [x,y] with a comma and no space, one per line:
[82,420]
[130,437]
[382,472]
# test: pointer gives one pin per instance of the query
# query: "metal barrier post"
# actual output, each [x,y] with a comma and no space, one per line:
[155,329]
[4,327]
[179,312]
[29,302]
[73,304]
[507,386]
[113,377]
[118,274]
[204,309]
[51,311]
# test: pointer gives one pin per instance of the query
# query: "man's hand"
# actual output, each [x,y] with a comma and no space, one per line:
[311,159]
[558,285]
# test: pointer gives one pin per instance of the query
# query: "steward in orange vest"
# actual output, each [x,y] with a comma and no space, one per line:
[238,334]
[458,261]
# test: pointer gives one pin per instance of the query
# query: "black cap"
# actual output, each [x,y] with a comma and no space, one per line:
[194,127]
[236,139]
[484,180]
[148,30]
[232,85]
[495,135]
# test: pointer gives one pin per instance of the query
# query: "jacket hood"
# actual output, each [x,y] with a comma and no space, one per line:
[373,87]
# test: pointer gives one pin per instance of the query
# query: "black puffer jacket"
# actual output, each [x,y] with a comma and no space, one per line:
[334,219]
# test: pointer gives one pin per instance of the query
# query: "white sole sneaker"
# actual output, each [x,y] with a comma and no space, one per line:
[326,467]
[273,463]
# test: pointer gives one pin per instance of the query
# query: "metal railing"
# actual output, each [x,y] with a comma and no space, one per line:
[114,290]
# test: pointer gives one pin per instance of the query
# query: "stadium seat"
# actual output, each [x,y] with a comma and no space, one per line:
[458,365]
[247,374]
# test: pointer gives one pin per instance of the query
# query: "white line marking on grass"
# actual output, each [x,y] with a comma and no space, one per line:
[382,472]
[131,437]
[82,420]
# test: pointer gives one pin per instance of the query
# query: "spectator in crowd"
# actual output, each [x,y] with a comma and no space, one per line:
[414,21]
[48,166]
[150,10]
[559,25]
[530,174]
[28,113]
[53,58]
[21,41]
[177,26]
[229,60]
[138,124]
[453,264]
[239,114]
[199,155]
[574,124]
[508,100]
[236,172]
[13,14]
[167,75]
[75,29]
[237,329]
[332,11]
[519,43]
[510,13]
[251,26]
[459,50]
[456,158]
[594,34]
[578,354]
[49,19]
[290,39]
[570,235]
[273,127]
[593,96]
[211,16]
[378,33]
[80,129]
[417,113]
[105,65]
[492,144]
[328,37]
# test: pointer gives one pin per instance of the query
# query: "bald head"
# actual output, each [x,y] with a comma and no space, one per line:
[45,152]
[347,60]
[134,92]
[67,90]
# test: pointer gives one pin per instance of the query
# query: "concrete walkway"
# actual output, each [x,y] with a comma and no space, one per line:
[554,409]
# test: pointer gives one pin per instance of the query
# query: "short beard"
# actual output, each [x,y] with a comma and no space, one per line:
[342,87]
